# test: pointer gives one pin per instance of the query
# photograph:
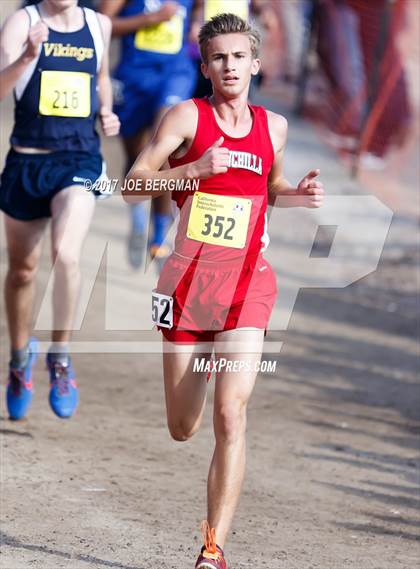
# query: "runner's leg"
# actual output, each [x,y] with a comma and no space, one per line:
[161,209]
[185,390]
[137,240]
[133,145]
[24,244]
[72,210]
[232,393]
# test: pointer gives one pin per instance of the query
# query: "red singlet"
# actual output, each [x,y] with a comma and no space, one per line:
[251,160]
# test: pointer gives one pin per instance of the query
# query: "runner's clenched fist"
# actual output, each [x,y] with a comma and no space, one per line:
[215,160]
[167,11]
[109,121]
[311,190]
[37,35]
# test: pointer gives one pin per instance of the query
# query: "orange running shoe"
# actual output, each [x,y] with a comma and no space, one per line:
[159,251]
[211,556]
[159,254]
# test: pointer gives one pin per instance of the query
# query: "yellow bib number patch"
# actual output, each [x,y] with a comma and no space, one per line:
[165,37]
[219,220]
[64,94]
[237,7]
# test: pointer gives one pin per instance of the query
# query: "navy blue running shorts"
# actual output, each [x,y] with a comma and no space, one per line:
[30,181]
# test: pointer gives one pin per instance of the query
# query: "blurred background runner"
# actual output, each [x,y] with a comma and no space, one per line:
[153,73]
[350,64]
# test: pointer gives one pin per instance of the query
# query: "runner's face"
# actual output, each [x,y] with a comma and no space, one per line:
[230,64]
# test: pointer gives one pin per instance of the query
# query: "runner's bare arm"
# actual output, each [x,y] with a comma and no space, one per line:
[130,24]
[308,193]
[197,9]
[177,129]
[104,80]
[19,45]
[109,120]
[266,14]
[277,183]
[197,14]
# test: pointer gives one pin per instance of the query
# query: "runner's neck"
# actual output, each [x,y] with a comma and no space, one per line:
[234,116]
[64,20]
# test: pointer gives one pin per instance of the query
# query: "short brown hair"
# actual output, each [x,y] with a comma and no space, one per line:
[227,24]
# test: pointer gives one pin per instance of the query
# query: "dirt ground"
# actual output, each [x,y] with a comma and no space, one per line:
[333,436]
[333,467]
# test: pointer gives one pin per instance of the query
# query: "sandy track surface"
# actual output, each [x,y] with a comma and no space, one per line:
[333,447]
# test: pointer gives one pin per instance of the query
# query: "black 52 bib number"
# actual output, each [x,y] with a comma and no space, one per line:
[162,310]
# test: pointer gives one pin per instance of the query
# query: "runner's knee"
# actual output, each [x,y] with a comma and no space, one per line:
[230,421]
[181,431]
[21,276]
[65,260]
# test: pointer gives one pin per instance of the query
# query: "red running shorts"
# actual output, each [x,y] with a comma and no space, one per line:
[205,297]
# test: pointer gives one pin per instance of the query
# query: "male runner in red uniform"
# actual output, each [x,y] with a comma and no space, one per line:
[216,287]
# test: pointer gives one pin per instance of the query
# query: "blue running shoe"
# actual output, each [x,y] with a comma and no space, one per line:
[136,249]
[64,394]
[20,389]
